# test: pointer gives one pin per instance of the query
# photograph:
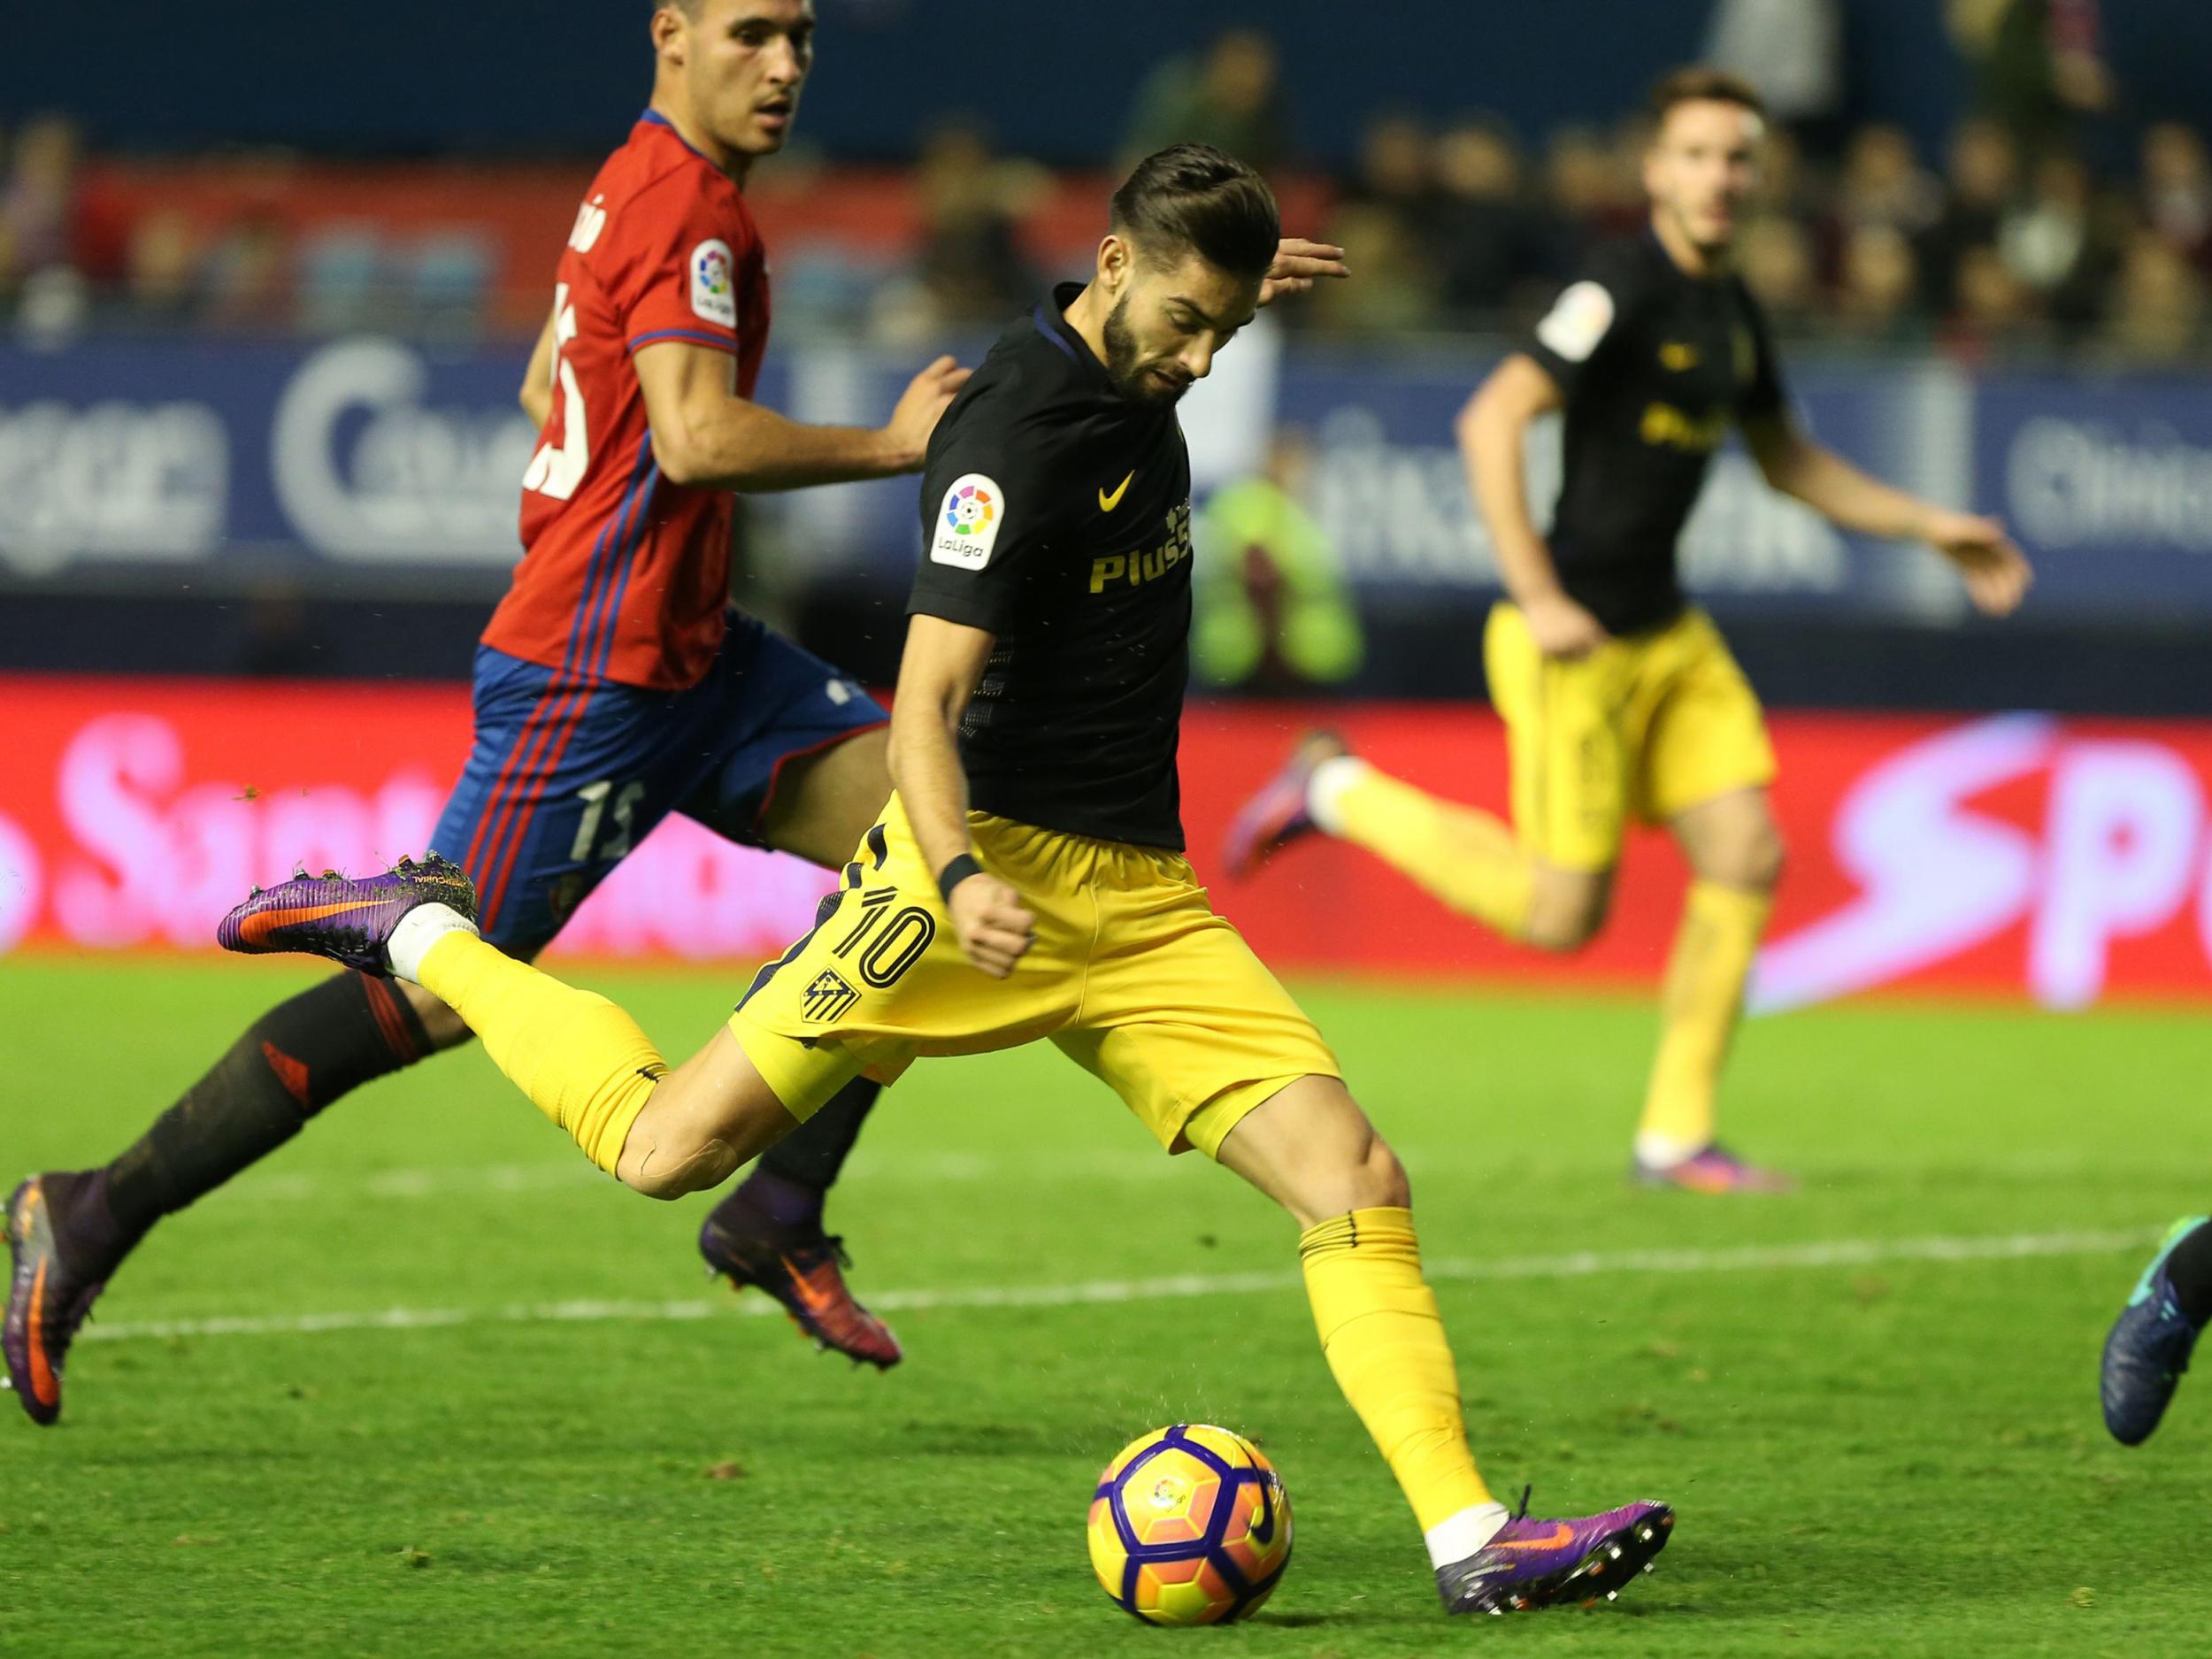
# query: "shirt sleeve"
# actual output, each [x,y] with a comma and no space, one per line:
[1582,322]
[985,516]
[1763,393]
[677,279]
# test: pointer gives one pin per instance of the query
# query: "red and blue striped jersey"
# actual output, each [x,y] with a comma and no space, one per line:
[625,576]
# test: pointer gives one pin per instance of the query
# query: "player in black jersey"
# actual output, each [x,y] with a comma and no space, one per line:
[1027,880]
[1619,697]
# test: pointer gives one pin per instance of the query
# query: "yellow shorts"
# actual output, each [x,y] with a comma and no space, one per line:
[1649,725]
[1133,976]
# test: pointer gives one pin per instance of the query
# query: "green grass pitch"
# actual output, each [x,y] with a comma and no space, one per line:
[1881,1441]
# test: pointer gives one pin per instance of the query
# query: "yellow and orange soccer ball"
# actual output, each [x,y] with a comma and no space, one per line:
[1190,1525]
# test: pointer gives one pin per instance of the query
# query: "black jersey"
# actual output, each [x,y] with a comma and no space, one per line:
[1655,363]
[1055,513]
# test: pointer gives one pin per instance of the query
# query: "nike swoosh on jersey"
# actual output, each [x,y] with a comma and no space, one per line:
[255,929]
[1107,503]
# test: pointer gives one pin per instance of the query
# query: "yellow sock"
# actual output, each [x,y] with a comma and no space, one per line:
[1465,856]
[1385,1342]
[1697,1008]
[581,1060]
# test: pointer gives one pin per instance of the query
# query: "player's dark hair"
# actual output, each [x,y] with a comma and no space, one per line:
[1697,84]
[1195,196]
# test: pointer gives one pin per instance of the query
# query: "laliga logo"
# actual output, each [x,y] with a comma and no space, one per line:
[969,511]
[713,271]
[2121,852]
[364,470]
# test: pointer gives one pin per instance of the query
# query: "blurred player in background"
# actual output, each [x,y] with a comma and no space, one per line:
[1620,698]
[614,686]
[1027,879]
[2151,1342]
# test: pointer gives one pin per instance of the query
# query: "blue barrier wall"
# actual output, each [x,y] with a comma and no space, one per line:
[369,458]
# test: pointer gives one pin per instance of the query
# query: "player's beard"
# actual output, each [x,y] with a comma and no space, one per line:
[1124,365]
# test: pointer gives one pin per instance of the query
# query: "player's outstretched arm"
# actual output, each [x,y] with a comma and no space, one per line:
[937,676]
[706,435]
[1995,570]
[1493,431]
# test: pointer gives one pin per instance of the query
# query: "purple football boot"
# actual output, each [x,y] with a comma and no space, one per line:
[1543,1564]
[1713,1169]
[46,1304]
[343,920]
[1277,816]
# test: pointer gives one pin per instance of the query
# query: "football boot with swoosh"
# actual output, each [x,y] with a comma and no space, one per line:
[1535,1563]
[46,1304]
[804,1272]
[340,918]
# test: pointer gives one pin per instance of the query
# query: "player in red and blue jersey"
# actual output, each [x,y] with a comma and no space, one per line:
[615,685]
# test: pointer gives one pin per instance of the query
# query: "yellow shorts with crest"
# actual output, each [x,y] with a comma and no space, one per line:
[1133,976]
[1645,727]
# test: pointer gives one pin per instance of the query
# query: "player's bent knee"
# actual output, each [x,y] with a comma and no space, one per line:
[1381,1181]
[1567,910]
[669,1177]
[1369,1177]
[1753,859]
[1769,857]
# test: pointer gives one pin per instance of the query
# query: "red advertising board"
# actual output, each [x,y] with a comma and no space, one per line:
[2013,855]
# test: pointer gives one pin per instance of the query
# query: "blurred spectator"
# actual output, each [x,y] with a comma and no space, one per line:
[1983,172]
[250,275]
[1883,183]
[2177,188]
[2037,65]
[1271,607]
[1591,201]
[1395,169]
[970,273]
[1394,292]
[2158,316]
[38,203]
[161,271]
[1791,50]
[1775,258]
[1228,96]
[2048,240]
[1488,244]
[1785,185]
[1993,308]
[1878,293]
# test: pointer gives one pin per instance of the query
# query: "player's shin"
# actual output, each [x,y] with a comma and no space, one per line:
[1385,1342]
[286,1067]
[1702,996]
[1463,855]
[581,1059]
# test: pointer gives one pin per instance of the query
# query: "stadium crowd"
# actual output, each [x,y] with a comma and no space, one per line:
[2012,240]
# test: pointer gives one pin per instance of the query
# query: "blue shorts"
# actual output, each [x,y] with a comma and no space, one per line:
[564,778]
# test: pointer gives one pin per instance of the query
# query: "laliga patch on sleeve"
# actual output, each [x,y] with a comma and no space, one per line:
[714,282]
[968,522]
[1577,321]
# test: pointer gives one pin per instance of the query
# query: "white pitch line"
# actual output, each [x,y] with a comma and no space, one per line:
[1579,1264]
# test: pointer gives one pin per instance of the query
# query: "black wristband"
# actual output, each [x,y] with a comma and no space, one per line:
[953,873]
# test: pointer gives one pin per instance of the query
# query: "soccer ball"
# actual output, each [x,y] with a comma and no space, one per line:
[1190,1525]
